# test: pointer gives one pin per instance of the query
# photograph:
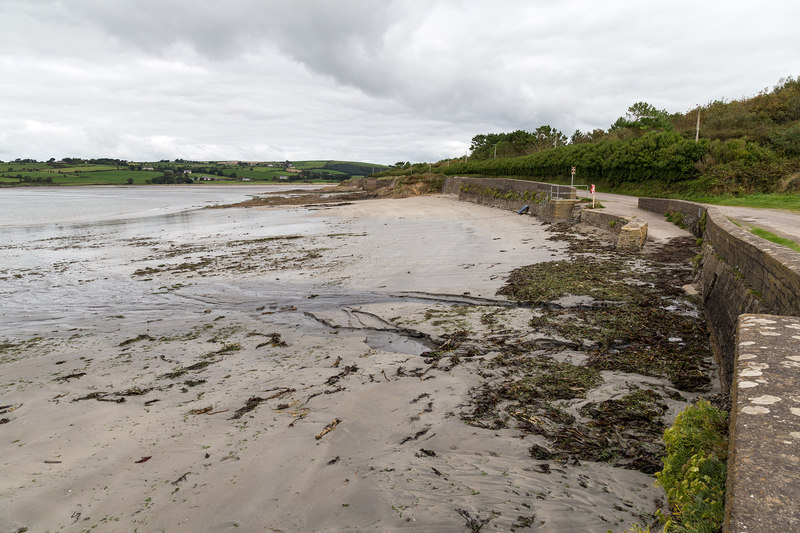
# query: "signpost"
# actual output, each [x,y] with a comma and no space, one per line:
[572,179]
[592,189]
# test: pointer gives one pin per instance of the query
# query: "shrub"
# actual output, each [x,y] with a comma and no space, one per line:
[695,470]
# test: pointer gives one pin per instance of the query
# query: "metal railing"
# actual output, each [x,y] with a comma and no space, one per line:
[565,191]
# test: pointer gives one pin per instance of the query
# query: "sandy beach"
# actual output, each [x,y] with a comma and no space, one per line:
[290,369]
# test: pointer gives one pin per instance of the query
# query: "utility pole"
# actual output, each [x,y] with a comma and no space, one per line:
[697,131]
[495,151]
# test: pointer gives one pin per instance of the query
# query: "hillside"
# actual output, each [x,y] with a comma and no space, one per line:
[745,146]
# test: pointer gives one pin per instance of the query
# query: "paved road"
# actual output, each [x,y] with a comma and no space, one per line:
[658,229]
[780,222]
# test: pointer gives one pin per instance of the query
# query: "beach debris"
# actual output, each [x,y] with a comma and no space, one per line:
[477,523]
[143,459]
[328,428]
[274,340]
[298,414]
[101,397]
[255,401]
[426,453]
[252,403]
[74,375]
[135,339]
[8,408]
[347,370]
[180,479]
[336,363]
[524,522]
[421,396]
[334,460]
[281,392]
[203,411]
[134,391]
[51,462]
[5,420]
[416,436]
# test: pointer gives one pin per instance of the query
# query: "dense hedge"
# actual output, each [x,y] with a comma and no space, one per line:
[658,155]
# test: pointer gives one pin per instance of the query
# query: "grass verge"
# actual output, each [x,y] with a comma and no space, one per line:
[768,235]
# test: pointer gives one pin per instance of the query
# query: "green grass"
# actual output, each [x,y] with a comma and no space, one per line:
[789,201]
[92,174]
[768,235]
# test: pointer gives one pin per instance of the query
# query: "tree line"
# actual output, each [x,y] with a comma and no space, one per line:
[746,145]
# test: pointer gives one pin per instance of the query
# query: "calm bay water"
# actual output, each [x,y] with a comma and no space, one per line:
[67,254]
[22,207]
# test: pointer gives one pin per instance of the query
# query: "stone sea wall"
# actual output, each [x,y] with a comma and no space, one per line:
[739,273]
[751,299]
[552,203]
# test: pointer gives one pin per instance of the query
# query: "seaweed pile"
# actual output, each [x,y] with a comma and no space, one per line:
[608,310]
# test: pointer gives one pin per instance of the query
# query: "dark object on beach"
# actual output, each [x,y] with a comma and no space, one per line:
[417,435]
[68,377]
[101,397]
[540,452]
[143,459]
[251,404]
[5,420]
[347,370]
[429,453]
[524,210]
[327,429]
[334,460]
[180,479]
[136,339]
[473,524]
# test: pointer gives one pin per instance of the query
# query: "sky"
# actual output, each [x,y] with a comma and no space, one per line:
[362,80]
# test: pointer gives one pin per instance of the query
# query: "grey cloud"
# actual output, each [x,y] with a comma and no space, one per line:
[389,80]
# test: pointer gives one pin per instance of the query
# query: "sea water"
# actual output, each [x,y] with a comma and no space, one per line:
[67,253]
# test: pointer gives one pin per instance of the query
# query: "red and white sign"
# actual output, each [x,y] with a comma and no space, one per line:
[592,188]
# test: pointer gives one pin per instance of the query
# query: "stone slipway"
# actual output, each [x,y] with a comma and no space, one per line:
[658,228]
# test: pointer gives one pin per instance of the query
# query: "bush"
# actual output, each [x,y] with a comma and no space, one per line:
[695,470]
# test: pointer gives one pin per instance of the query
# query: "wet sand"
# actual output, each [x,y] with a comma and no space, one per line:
[262,372]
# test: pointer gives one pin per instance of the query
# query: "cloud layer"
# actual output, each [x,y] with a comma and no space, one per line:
[361,80]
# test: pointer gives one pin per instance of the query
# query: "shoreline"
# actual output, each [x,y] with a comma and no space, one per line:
[131,419]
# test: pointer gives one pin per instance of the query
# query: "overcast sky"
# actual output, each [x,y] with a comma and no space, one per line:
[366,80]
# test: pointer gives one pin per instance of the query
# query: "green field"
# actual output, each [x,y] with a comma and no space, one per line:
[107,172]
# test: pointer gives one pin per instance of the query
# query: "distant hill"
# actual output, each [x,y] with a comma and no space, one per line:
[105,171]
